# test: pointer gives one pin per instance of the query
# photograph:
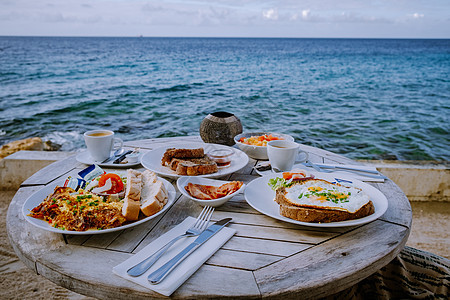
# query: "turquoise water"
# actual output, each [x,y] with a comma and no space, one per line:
[363,98]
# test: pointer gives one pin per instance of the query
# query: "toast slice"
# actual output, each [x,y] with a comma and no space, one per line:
[191,162]
[154,194]
[196,166]
[172,153]
[131,205]
[319,201]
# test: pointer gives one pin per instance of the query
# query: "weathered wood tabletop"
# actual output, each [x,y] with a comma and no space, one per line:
[265,258]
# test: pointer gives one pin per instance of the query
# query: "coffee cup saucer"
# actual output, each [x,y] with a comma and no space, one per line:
[85,158]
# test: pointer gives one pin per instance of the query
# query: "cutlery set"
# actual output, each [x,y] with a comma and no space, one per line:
[199,228]
[118,156]
[332,168]
[264,167]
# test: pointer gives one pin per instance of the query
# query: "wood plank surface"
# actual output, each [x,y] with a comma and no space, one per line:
[399,209]
[333,268]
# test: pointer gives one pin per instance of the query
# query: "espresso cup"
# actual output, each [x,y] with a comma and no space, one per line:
[100,143]
[283,154]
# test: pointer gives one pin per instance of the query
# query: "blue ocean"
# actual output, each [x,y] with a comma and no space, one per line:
[362,98]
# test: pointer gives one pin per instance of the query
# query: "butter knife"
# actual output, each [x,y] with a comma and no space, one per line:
[122,157]
[158,275]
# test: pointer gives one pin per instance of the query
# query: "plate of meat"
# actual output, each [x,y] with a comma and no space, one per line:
[211,192]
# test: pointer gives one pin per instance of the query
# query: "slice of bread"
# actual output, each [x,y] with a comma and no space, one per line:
[314,215]
[191,162]
[316,208]
[181,153]
[194,167]
[154,194]
[131,205]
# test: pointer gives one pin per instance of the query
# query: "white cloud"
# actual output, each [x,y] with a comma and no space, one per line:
[270,14]
[417,16]
[306,14]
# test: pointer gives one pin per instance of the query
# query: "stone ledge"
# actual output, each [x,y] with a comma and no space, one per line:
[17,167]
[419,180]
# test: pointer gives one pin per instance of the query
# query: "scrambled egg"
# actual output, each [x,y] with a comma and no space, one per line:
[68,209]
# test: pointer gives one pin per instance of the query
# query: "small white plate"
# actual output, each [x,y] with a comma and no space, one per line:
[261,197]
[152,160]
[39,196]
[183,181]
[85,158]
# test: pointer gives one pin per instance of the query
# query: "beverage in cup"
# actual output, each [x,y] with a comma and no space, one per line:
[100,143]
[283,154]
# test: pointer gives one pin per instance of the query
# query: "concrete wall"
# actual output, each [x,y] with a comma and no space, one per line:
[419,180]
[17,167]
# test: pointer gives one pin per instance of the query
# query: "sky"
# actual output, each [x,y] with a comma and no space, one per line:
[227,18]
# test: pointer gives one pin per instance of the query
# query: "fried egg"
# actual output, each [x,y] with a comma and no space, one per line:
[322,194]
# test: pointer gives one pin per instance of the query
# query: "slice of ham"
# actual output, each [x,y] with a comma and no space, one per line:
[209,192]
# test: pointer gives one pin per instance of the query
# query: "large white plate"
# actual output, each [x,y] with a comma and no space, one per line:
[261,197]
[35,199]
[85,158]
[152,160]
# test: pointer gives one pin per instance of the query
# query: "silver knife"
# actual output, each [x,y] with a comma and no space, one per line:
[158,275]
[347,168]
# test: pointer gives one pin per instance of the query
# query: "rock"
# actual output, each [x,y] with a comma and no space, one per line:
[50,146]
[34,143]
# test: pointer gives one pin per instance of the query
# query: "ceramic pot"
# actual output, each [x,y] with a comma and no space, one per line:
[220,128]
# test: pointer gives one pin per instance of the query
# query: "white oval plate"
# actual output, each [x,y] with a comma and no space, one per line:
[39,196]
[85,158]
[152,160]
[261,197]
[183,181]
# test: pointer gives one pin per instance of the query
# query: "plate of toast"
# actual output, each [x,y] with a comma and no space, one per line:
[317,201]
[193,159]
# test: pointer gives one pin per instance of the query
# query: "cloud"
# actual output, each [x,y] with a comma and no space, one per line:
[306,14]
[270,14]
[417,16]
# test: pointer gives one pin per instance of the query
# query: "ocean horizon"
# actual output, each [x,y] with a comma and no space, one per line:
[365,98]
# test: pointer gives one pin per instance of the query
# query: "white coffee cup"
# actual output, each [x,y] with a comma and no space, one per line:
[283,154]
[100,143]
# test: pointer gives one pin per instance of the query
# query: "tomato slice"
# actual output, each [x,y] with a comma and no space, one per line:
[116,181]
[287,175]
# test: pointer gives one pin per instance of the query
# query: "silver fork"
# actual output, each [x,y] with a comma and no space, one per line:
[198,227]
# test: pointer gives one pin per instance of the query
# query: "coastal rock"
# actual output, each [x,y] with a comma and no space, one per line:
[34,143]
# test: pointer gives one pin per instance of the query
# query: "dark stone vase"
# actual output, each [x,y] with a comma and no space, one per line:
[220,128]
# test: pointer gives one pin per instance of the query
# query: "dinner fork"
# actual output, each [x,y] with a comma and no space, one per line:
[198,227]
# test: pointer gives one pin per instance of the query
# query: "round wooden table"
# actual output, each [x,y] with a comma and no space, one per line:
[265,258]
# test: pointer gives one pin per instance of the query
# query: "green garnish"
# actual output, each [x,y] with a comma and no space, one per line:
[278,182]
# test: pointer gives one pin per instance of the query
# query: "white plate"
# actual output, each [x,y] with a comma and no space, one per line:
[39,196]
[261,197]
[183,181]
[85,158]
[152,160]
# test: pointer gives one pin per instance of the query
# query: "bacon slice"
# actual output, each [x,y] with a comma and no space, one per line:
[208,192]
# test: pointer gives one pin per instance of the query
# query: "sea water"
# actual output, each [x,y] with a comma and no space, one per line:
[363,98]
